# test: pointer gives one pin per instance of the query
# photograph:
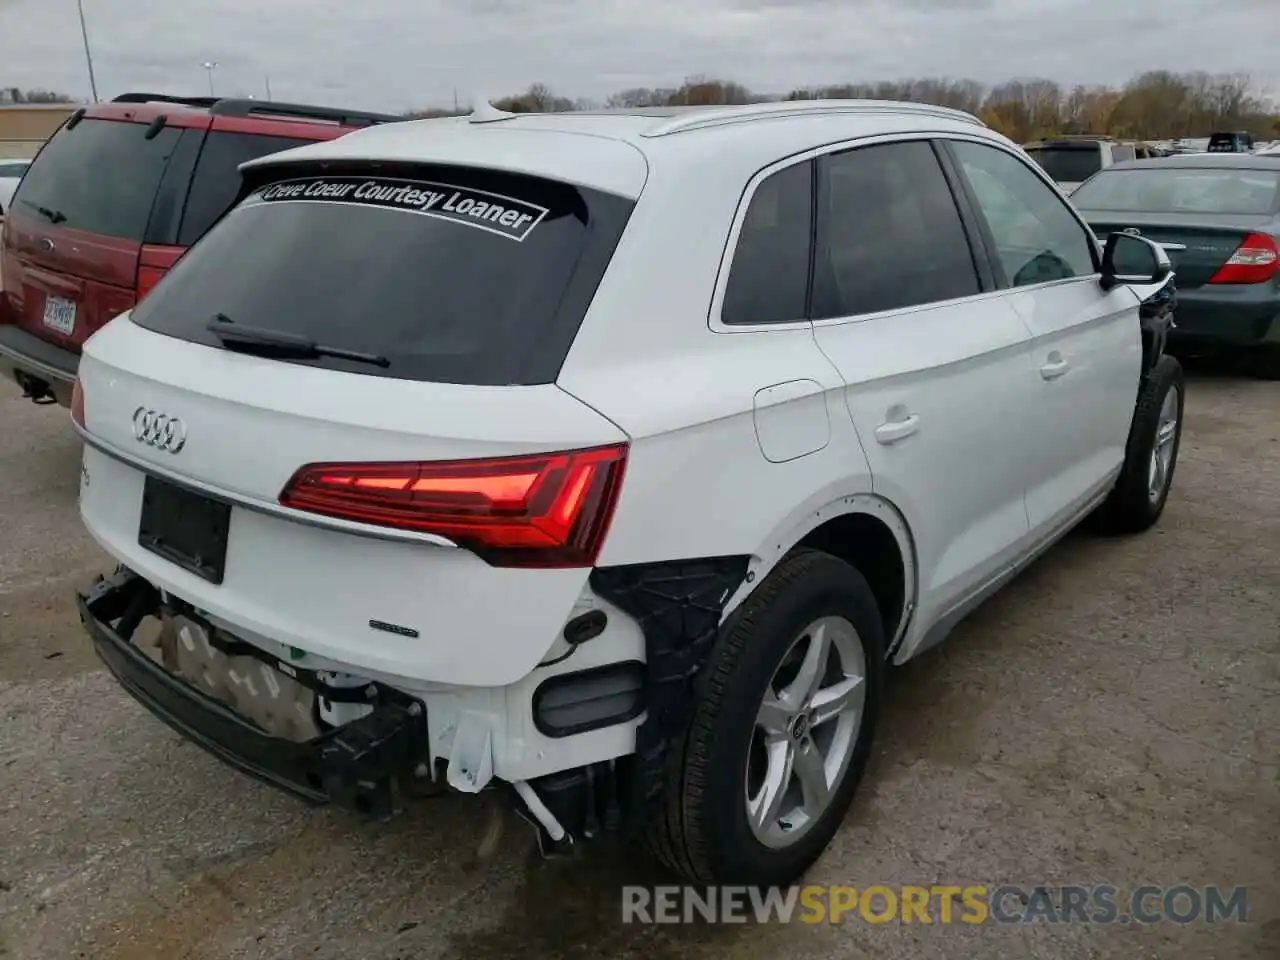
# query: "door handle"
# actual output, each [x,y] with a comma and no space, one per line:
[1056,367]
[896,430]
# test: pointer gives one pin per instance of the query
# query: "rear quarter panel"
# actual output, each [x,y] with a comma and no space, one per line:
[698,483]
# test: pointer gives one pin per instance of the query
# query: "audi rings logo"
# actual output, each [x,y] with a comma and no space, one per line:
[159,430]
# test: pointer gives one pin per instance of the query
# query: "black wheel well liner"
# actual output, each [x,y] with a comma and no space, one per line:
[867,544]
[679,605]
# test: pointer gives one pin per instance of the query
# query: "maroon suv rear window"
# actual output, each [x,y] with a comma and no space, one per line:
[99,175]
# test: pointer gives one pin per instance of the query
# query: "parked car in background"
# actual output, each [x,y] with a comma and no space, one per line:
[1270,150]
[609,460]
[11,172]
[112,200]
[1074,159]
[1218,215]
[1191,145]
[1237,142]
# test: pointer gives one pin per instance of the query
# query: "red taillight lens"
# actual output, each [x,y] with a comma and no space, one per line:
[1256,261]
[153,263]
[148,277]
[77,404]
[550,510]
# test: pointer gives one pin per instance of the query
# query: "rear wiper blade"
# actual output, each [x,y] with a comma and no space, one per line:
[53,216]
[277,343]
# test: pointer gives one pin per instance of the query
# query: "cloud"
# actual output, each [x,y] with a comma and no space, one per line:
[392,54]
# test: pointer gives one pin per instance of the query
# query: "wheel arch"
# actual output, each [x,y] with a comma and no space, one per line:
[863,529]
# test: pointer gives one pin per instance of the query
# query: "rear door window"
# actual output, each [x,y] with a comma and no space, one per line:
[889,233]
[100,176]
[217,177]
[452,275]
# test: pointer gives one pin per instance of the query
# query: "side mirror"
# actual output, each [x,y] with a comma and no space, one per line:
[1127,258]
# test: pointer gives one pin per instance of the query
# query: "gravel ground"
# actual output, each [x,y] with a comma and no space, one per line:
[1113,716]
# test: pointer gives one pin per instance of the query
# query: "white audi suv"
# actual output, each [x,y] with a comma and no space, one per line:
[608,459]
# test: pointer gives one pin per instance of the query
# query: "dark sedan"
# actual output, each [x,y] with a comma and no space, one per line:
[1218,216]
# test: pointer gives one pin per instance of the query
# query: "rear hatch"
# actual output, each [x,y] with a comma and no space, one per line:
[77,223]
[321,362]
[1201,216]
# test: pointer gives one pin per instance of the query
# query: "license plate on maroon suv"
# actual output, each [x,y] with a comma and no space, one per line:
[185,527]
[60,315]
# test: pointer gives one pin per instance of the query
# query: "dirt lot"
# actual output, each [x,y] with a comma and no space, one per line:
[1114,716]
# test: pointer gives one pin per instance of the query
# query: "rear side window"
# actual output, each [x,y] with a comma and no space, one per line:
[769,275]
[101,176]
[452,275]
[12,170]
[217,177]
[889,233]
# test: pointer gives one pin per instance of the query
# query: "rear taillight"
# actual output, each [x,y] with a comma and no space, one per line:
[1257,260]
[148,277]
[550,510]
[77,404]
[153,263]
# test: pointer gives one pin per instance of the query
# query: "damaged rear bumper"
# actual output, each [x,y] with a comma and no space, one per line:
[355,766]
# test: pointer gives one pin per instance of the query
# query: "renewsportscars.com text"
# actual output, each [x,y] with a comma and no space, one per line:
[936,904]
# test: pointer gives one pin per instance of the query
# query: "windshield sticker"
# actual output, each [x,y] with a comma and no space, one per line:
[505,216]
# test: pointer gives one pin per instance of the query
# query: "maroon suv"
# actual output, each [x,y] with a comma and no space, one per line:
[112,200]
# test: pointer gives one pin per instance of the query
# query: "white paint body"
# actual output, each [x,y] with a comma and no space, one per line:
[11,172]
[742,440]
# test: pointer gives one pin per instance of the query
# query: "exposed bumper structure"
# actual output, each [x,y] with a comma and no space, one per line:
[362,765]
[354,766]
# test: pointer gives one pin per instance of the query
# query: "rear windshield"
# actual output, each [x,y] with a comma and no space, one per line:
[1228,143]
[1172,190]
[1070,163]
[101,176]
[217,177]
[452,275]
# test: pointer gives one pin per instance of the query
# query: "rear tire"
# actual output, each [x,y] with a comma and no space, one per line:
[1155,436]
[812,601]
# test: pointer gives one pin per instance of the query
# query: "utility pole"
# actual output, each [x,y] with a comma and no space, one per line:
[210,66]
[268,80]
[84,33]
[455,99]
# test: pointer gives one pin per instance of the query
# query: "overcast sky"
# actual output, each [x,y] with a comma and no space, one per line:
[395,54]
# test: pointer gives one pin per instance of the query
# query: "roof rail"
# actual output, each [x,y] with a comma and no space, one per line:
[346,118]
[710,116]
[205,102]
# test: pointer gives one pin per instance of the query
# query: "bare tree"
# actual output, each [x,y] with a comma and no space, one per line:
[1158,104]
